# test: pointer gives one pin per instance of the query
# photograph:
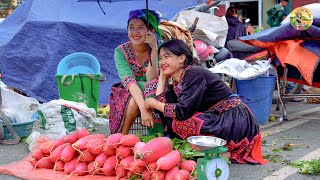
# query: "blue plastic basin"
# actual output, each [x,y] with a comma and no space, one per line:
[78,63]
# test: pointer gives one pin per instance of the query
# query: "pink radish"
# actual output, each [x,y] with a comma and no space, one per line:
[109,165]
[146,175]
[92,169]
[100,159]
[33,162]
[171,172]
[169,160]
[158,175]
[130,174]
[137,146]
[95,146]
[45,163]
[71,138]
[126,161]
[123,151]
[154,149]
[82,132]
[87,156]
[37,154]
[109,150]
[55,154]
[70,166]
[181,175]
[129,140]
[47,147]
[58,166]
[152,167]
[121,171]
[188,165]
[82,142]
[111,173]
[139,162]
[114,139]
[68,153]
[59,142]
[134,168]
[81,169]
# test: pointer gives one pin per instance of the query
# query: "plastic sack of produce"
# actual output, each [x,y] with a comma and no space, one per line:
[60,117]
[16,107]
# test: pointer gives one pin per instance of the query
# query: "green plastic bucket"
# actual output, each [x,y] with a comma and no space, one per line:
[80,88]
[22,129]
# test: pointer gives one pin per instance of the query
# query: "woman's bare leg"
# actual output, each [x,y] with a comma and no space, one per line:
[131,114]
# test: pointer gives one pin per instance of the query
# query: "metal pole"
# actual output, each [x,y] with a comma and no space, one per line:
[147,7]
[148,26]
[260,14]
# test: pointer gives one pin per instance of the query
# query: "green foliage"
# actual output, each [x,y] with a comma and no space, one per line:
[186,150]
[5,5]
[148,138]
[275,158]
[135,177]
[311,167]
[24,139]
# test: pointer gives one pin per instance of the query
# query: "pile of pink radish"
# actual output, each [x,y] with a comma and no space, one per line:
[123,156]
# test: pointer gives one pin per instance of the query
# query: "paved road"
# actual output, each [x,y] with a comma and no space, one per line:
[302,128]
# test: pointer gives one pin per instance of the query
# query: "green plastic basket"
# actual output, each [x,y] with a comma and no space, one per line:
[80,88]
[22,129]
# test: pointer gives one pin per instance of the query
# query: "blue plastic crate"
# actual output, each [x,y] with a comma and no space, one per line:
[22,129]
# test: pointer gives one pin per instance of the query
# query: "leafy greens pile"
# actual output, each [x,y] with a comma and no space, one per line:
[311,167]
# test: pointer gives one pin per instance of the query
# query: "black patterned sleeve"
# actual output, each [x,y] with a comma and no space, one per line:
[193,88]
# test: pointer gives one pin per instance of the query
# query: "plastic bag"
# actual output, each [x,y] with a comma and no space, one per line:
[60,117]
[210,28]
[32,139]
[241,69]
[16,107]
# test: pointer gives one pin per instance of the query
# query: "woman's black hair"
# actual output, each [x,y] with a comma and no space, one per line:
[178,48]
[232,11]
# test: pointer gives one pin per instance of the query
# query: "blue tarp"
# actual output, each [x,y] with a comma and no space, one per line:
[38,34]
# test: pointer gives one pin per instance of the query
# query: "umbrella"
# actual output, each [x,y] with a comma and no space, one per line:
[147,7]
[110,1]
[208,4]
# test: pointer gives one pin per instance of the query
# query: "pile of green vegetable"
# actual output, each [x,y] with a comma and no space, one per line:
[311,167]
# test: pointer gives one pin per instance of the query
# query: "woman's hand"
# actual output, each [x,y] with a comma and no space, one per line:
[152,103]
[151,40]
[147,119]
[162,76]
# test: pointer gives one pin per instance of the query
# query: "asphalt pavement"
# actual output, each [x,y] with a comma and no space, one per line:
[302,129]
